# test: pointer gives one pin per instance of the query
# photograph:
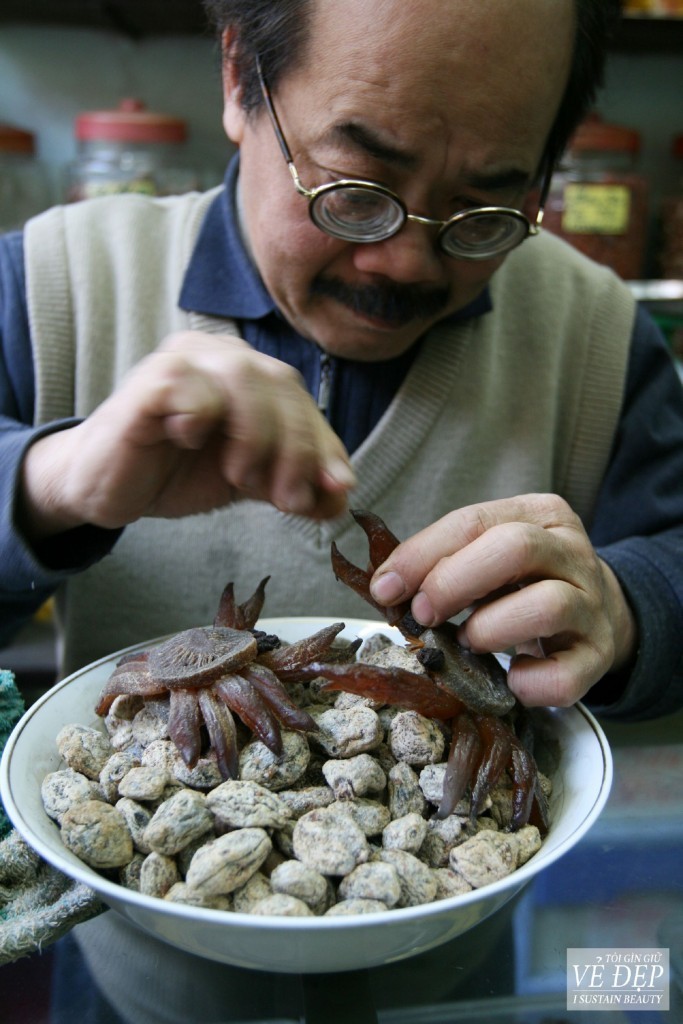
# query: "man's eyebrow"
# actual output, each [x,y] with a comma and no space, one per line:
[371,142]
[504,180]
[365,138]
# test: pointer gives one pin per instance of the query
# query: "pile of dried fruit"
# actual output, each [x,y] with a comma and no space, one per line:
[342,820]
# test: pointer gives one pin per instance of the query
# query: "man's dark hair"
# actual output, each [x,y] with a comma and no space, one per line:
[596,22]
[277,30]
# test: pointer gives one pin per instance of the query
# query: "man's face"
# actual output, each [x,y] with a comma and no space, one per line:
[448,104]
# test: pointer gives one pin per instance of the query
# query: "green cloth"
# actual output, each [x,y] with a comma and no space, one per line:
[37,903]
[11,710]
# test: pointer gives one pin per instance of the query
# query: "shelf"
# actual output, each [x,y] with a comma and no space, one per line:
[657,291]
[137,18]
[133,18]
[654,34]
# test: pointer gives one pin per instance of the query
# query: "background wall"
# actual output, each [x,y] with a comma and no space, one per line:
[50,74]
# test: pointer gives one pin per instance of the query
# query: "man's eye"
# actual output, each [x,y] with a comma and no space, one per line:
[356,203]
[361,205]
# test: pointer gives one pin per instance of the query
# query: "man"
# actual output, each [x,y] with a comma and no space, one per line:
[494,391]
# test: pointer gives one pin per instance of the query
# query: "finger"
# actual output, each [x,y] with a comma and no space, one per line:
[511,554]
[543,610]
[197,344]
[310,453]
[250,431]
[402,574]
[536,648]
[329,505]
[124,455]
[337,476]
[165,397]
[299,458]
[558,681]
[246,399]
[281,448]
[272,451]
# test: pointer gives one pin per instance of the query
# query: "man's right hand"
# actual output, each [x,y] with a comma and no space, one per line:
[201,422]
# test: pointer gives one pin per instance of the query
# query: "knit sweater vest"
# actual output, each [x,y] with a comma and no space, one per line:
[523,399]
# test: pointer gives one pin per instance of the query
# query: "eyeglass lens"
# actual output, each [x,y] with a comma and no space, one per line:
[362,214]
[483,234]
[356,213]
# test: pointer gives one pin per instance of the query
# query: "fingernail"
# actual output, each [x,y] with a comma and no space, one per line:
[341,472]
[387,588]
[422,610]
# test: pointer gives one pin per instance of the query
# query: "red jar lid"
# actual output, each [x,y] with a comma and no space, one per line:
[596,134]
[129,122]
[677,146]
[15,140]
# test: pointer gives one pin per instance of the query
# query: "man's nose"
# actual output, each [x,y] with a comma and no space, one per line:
[411,256]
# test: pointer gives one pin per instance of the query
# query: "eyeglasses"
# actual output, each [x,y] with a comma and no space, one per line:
[363,211]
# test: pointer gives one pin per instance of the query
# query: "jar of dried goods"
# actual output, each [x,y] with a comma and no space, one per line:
[129,149]
[598,201]
[655,8]
[24,185]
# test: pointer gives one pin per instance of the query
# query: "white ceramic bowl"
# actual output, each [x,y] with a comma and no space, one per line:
[284,944]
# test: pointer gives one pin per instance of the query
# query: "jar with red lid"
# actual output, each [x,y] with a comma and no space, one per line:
[671,252]
[24,186]
[129,149]
[598,201]
[657,8]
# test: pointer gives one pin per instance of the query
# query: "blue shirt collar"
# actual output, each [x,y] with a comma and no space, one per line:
[222,280]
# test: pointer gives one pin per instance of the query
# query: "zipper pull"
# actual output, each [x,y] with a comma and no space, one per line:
[324,382]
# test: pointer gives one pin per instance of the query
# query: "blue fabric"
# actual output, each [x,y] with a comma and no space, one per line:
[16,359]
[641,495]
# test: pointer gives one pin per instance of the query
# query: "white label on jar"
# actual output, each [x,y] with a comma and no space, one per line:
[596,209]
[95,189]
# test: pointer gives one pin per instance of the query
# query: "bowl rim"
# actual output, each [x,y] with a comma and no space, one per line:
[112,893]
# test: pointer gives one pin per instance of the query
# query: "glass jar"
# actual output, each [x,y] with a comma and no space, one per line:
[671,252]
[598,202]
[129,149]
[24,188]
[661,8]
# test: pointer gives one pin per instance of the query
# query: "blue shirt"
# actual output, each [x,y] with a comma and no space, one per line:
[637,525]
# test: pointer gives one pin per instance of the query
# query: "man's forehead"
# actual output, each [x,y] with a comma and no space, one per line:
[371,27]
[378,75]
[365,138]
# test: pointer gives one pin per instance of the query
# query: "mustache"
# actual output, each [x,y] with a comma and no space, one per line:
[394,303]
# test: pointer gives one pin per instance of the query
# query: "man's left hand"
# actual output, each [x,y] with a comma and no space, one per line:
[528,572]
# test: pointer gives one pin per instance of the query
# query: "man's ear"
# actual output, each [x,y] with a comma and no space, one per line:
[234,117]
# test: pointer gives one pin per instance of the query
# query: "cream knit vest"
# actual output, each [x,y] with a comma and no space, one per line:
[524,399]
